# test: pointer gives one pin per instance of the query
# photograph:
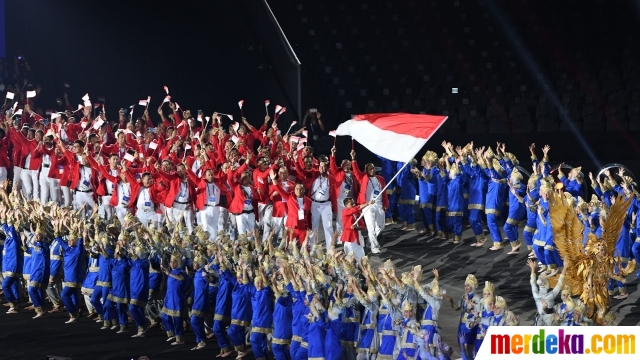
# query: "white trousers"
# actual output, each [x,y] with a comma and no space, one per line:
[147,217]
[56,195]
[210,220]
[30,184]
[105,210]
[120,211]
[246,223]
[355,248]
[83,198]
[66,194]
[266,219]
[179,211]
[321,211]
[374,219]
[46,187]
[277,225]
[17,172]
[3,174]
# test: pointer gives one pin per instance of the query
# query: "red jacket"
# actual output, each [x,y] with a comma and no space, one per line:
[174,188]
[201,188]
[133,185]
[349,216]
[293,220]
[261,181]
[5,162]
[74,172]
[58,167]
[239,197]
[280,203]
[339,176]
[363,180]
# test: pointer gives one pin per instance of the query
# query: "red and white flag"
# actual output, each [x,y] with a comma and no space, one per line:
[31,94]
[267,102]
[85,98]
[240,103]
[167,99]
[278,107]
[394,136]
[166,89]
[143,102]
[10,95]
[230,117]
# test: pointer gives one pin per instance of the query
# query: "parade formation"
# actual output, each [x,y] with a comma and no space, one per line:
[180,223]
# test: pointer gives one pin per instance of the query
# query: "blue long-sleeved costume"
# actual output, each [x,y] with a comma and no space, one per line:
[222,315]
[494,202]
[388,170]
[100,296]
[282,326]
[40,273]
[408,194]
[261,320]
[173,303]
[477,191]
[241,313]
[12,264]
[200,305]
[120,293]
[139,290]
[427,192]
[455,204]
[517,211]
[73,275]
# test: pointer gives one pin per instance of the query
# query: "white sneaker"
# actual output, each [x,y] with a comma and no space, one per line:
[375,251]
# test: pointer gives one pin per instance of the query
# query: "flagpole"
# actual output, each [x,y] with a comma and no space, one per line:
[383,189]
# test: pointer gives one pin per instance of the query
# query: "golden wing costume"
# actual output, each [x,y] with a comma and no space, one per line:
[589,267]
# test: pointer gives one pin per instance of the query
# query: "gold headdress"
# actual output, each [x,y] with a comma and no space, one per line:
[435,287]
[545,188]
[511,318]
[629,180]
[533,179]
[471,280]
[513,158]
[500,302]
[418,270]
[570,304]
[607,185]
[200,259]
[388,265]
[407,306]
[489,153]
[176,256]
[515,174]
[430,155]
[571,201]
[454,169]
[582,204]
[595,202]
[497,166]
[371,291]
[490,287]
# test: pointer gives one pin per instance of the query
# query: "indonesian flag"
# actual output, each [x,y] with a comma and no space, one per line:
[31,94]
[240,103]
[143,102]
[394,136]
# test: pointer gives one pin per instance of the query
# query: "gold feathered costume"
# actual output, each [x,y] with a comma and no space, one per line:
[589,267]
